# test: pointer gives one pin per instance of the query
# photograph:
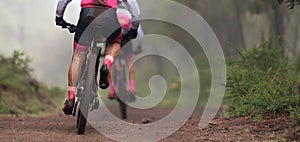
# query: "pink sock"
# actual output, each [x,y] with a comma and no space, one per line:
[131,85]
[111,93]
[71,92]
[111,89]
[108,60]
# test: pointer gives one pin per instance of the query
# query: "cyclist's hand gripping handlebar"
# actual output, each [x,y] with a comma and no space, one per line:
[72,28]
[61,22]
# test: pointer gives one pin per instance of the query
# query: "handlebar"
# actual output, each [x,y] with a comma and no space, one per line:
[72,28]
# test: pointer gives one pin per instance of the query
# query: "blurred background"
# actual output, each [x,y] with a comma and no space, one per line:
[28,27]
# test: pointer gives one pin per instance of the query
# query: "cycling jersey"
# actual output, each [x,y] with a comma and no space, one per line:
[131,5]
[124,18]
[104,3]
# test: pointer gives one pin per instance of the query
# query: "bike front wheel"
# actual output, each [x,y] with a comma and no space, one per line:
[82,115]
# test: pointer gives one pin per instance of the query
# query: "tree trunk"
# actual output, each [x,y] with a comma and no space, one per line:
[239,24]
[295,42]
[279,26]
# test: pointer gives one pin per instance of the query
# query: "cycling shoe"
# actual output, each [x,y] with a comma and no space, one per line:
[68,106]
[104,73]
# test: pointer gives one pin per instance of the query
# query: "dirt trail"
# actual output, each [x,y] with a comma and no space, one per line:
[62,128]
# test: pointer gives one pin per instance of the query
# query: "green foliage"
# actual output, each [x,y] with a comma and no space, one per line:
[259,83]
[260,6]
[19,92]
[291,3]
[55,94]
[204,73]
[14,71]
[297,66]
[295,115]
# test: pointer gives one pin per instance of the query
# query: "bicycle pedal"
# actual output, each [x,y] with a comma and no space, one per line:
[95,104]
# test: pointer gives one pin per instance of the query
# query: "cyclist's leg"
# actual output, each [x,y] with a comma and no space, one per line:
[129,57]
[114,85]
[132,93]
[110,28]
[131,73]
[111,52]
[78,58]
[81,43]
[111,93]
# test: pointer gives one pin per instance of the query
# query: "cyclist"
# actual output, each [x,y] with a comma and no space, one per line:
[124,18]
[102,15]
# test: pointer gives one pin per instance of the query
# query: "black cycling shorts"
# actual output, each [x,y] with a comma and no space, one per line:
[95,22]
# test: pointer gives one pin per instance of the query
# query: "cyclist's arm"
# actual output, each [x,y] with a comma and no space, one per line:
[140,32]
[61,7]
[139,40]
[134,10]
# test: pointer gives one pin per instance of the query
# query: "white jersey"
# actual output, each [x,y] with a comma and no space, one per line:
[125,16]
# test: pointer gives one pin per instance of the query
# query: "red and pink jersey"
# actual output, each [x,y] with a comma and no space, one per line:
[104,3]
[62,5]
[131,5]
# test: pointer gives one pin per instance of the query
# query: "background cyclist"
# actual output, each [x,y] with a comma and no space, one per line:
[124,18]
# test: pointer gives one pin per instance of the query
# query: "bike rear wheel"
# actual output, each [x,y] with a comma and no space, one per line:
[122,93]
[123,109]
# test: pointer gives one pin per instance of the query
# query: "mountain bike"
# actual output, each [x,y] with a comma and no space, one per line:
[120,83]
[120,78]
[87,87]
